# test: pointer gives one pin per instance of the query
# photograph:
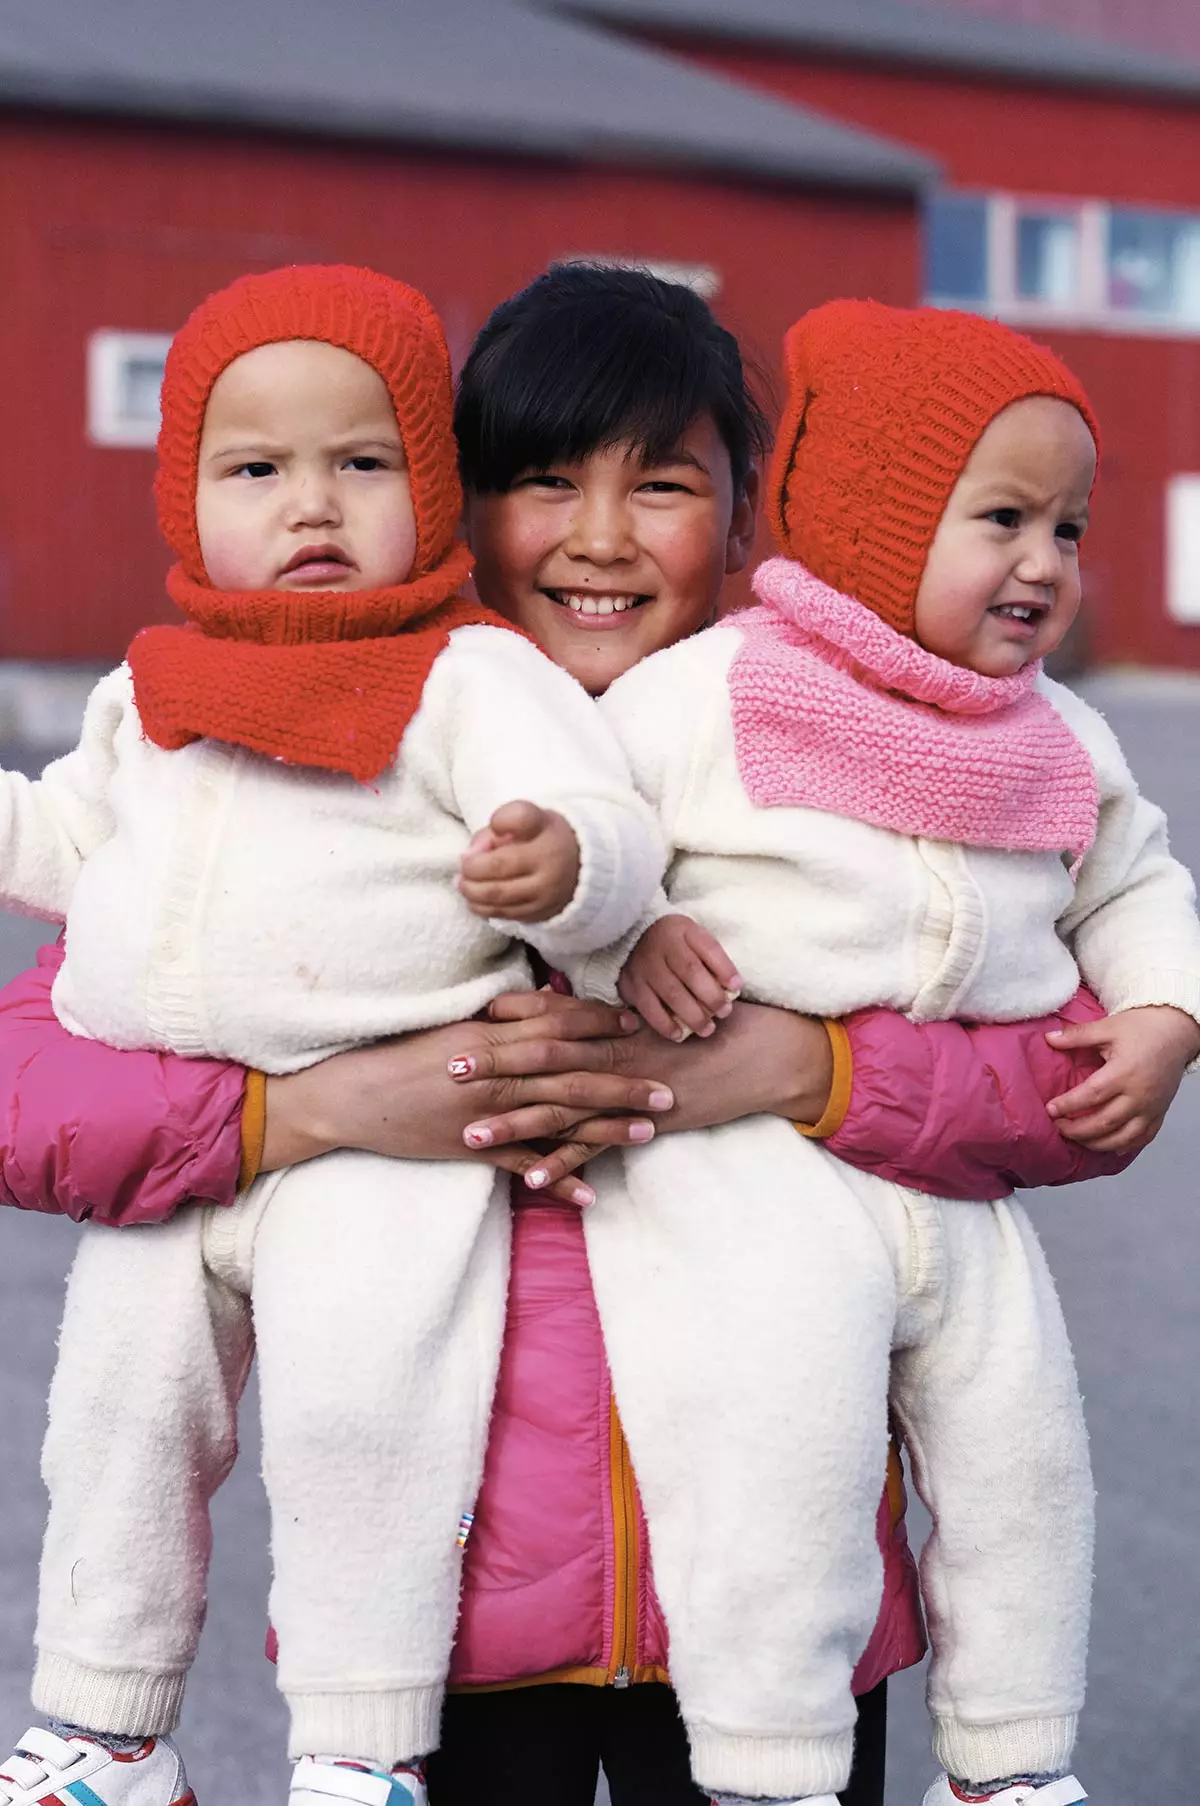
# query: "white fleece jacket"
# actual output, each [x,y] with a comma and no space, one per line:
[826,915]
[221,903]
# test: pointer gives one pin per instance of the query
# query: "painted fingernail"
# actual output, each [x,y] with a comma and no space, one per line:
[641,1131]
[733,989]
[726,1009]
[583,1195]
[661,1100]
[461,1068]
[710,1028]
[682,1032]
[537,1178]
[629,1021]
[478,1135]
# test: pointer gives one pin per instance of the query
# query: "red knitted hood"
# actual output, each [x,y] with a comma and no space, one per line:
[329,679]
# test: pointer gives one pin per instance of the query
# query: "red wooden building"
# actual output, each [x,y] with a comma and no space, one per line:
[157,152]
[1068,203]
[781,151]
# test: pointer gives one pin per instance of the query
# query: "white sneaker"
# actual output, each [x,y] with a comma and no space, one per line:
[1066,1792]
[318,1779]
[78,1772]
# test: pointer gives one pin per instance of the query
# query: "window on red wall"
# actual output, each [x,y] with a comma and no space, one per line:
[1094,264]
[125,372]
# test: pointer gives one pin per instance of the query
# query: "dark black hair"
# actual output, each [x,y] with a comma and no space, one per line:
[590,356]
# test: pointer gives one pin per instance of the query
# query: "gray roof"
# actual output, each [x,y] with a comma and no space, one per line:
[910,33]
[500,75]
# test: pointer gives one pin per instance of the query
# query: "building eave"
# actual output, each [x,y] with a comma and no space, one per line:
[909,35]
[600,99]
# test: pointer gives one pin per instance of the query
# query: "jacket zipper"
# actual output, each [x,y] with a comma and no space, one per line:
[622,1661]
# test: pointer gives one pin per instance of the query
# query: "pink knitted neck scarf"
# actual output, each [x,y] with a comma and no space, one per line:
[834,710]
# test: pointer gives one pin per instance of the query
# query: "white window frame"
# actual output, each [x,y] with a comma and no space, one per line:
[109,355]
[1183,550]
[1090,311]
[702,277]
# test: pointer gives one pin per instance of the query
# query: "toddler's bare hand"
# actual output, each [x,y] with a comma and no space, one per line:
[523,867]
[1120,1109]
[679,979]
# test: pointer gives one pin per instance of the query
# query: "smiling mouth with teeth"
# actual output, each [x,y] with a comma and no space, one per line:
[1018,611]
[580,602]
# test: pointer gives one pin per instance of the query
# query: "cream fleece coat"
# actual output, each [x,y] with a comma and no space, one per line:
[221,903]
[827,915]
[762,1304]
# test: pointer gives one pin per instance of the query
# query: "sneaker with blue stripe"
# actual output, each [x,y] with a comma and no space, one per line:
[1064,1792]
[318,1780]
[46,1770]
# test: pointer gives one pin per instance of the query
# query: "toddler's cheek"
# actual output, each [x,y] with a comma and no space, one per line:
[395,549]
[231,562]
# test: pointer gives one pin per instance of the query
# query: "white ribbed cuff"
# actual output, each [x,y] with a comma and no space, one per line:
[770,1768]
[128,1702]
[1152,989]
[621,862]
[996,1752]
[597,975]
[383,1728]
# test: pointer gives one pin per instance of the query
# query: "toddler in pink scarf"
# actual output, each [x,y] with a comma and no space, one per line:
[875,797]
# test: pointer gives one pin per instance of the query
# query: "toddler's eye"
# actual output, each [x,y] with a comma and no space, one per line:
[1069,530]
[663,486]
[1009,518]
[365,462]
[257,467]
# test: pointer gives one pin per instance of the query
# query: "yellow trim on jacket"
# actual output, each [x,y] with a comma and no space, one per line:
[254,1127]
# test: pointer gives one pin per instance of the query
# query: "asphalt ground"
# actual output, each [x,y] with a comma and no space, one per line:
[1127,1255]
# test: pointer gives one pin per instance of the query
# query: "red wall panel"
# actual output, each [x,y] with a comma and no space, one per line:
[127,226]
[1071,141]
[1147,396]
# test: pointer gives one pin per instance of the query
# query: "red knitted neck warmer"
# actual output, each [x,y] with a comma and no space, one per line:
[328,679]
[335,692]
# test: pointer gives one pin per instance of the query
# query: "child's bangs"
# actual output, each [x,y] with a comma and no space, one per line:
[587,359]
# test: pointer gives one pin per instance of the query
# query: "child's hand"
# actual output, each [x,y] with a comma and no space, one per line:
[678,978]
[523,866]
[1120,1109]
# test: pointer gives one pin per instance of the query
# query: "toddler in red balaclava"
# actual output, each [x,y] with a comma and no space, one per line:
[314,816]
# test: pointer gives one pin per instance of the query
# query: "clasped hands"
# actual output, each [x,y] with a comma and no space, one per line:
[524,867]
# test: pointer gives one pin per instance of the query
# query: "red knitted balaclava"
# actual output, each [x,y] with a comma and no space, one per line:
[322,678]
[884,407]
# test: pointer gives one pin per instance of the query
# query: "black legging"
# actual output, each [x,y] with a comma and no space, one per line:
[546,1745]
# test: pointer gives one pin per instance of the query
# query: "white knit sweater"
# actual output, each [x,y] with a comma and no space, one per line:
[826,915]
[222,903]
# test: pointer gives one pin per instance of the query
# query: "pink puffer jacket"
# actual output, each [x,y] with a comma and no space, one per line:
[558,1582]
[557,1578]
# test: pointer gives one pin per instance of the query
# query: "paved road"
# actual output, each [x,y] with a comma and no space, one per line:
[1127,1253]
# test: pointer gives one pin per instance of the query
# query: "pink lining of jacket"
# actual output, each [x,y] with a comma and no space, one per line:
[127,1138]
